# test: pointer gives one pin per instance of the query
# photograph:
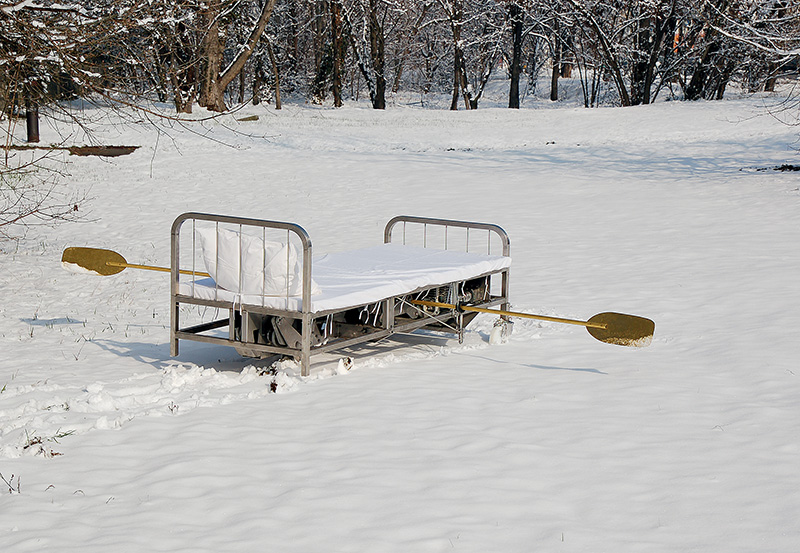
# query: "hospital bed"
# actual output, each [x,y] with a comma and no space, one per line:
[274,297]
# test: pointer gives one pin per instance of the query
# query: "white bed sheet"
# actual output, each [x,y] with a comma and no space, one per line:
[358,277]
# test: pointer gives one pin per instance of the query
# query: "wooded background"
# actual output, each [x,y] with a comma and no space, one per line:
[218,53]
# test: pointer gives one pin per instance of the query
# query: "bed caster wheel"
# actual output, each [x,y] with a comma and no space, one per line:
[500,331]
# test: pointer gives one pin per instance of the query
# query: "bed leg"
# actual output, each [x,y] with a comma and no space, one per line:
[388,310]
[504,291]
[173,329]
[305,354]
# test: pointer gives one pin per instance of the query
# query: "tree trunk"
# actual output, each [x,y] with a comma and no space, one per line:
[649,38]
[456,80]
[318,25]
[610,54]
[772,79]
[694,90]
[32,120]
[183,89]
[639,70]
[216,81]
[515,15]
[338,51]
[179,66]
[259,80]
[724,72]
[211,94]
[460,82]
[660,45]
[566,66]
[275,71]
[366,60]
[556,72]
[399,63]
[377,53]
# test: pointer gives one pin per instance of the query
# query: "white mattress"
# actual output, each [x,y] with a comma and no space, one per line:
[359,277]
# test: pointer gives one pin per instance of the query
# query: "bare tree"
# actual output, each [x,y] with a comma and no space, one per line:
[766,32]
[477,31]
[216,78]
[364,24]
[30,196]
[51,52]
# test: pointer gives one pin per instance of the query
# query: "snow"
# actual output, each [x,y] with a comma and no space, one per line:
[552,441]
[75,268]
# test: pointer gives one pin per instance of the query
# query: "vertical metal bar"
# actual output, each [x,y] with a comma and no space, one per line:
[194,255]
[241,262]
[404,233]
[424,235]
[388,314]
[244,335]
[305,355]
[467,250]
[173,331]
[504,290]
[216,260]
[288,240]
[263,265]
[174,311]
[445,236]
[305,352]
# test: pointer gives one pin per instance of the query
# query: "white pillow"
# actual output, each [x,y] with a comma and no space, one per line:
[267,268]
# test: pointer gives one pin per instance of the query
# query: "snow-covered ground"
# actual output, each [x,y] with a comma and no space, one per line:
[551,442]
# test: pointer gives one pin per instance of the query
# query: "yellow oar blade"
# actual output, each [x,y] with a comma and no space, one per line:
[93,260]
[611,328]
[622,330]
[106,262]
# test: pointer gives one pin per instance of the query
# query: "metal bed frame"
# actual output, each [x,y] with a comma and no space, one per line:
[324,331]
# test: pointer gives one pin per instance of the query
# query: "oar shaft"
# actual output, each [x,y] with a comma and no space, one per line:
[153,268]
[510,313]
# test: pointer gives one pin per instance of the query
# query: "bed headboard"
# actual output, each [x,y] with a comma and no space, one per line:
[435,233]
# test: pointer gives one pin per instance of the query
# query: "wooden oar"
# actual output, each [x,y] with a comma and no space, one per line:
[612,328]
[108,262]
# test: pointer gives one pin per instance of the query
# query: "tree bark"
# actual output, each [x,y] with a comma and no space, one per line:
[32,120]
[460,81]
[211,93]
[259,80]
[515,15]
[639,94]
[556,72]
[649,40]
[215,80]
[772,78]
[377,53]
[275,71]
[609,52]
[338,51]
[694,90]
